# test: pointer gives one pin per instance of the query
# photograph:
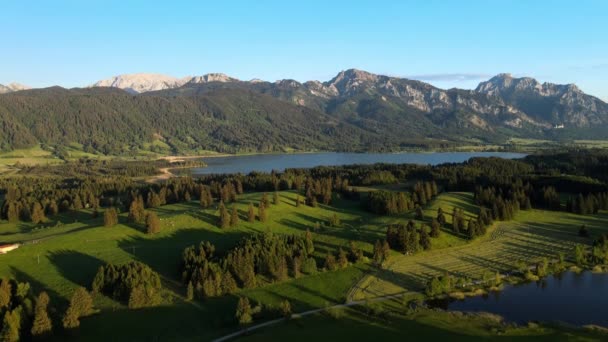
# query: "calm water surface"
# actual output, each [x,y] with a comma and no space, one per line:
[280,162]
[572,298]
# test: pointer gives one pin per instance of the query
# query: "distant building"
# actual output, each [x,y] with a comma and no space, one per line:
[7,248]
[558,126]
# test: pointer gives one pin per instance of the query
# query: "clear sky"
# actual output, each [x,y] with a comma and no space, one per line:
[447,43]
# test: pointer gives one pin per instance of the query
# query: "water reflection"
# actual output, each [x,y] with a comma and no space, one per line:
[575,298]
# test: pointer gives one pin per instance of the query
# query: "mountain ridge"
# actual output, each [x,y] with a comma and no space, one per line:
[353,111]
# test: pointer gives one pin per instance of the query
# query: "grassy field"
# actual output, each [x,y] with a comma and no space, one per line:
[532,235]
[357,324]
[67,253]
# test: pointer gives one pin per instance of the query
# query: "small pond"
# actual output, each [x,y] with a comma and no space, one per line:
[574,298]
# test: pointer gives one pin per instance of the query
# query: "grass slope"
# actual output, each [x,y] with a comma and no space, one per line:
[532,235]
[66,255]
[356,325]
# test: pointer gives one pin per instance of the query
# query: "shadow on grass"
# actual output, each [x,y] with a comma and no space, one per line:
[76,267]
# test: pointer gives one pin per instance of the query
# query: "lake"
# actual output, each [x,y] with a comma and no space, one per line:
[280,162]
[570,297]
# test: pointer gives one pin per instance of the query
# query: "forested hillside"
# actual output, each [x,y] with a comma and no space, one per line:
[355,111]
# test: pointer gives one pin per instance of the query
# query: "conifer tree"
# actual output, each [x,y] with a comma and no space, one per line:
[152,223]
[110,217]
[261,212]
[81,305]
[285,308]
[11,326]
[440,217]
[377,253]
[330,262]
[224,219]
[310,248]
[234,217]
[265,201]
[425,239]
[435,230]
[243,311]
[342,258]
[275,198]
[250,213]
[190,291]
[5,293]
[42,325]
[37,213]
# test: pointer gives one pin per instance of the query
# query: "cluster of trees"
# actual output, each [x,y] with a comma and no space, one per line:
[589,204]
[408,239]
[106,168]
[391,203]
[267,257]
[445,284]
[381,252]
[23,316]
[133,283]
[342,258]
[500,206]
[319,190]
[81,305]
[598,254]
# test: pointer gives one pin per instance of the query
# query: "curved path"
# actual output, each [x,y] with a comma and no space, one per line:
[304,314]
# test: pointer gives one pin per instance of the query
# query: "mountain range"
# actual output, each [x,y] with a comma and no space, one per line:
[354,111]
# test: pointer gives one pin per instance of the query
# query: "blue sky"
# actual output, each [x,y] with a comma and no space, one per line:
[446,43]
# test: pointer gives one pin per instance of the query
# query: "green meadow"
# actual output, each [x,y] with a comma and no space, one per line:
[60,255]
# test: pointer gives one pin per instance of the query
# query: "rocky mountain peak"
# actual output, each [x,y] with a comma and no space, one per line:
[212,77]
[141,82]
[351,80]
[4,89]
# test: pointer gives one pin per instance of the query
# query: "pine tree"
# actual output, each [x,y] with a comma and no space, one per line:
[190,291]
[42,325]
[224,219]
[37,213]
[261,212]
[440,217]
[425,239]
[11,326]
[12,214]
[137,212]
[234,217]
[297,201]
[386,250]
[110,217]
[243,311]
[152,223]
[275,198]
[52,209]
[310,247]
[5,293]
[330,262]
[81,305]
[472,229]
[435,228]
[342,258]
[377,254]
[250,213]
[265,201]
[285,308]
